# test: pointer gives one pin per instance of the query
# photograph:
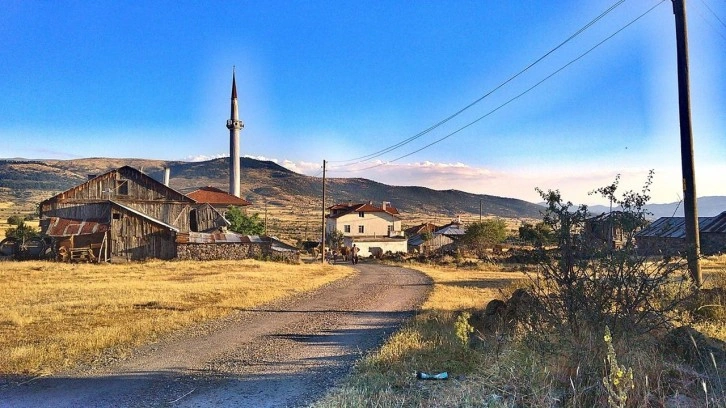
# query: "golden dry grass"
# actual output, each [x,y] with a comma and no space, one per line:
[385,378]
[53,315]
[427,343]
[466,288]
[7,209]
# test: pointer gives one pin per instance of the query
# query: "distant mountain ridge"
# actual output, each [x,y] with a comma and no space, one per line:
[708,206]
[28,182]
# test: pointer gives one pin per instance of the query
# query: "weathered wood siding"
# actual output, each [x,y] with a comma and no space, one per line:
[136,238]
[128,187]
[123,184]
[206,218]
[176,214]
[77,210]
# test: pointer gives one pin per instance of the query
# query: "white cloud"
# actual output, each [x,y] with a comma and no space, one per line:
[573,181]
[204,157]
[261,158]
[308,168]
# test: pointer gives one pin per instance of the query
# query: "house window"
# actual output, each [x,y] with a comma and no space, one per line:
[361,229]
[346,228]
[360,214]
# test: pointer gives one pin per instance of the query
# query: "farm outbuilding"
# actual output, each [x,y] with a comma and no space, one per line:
[124,214]
[605,231]
[667,236]
[442,239]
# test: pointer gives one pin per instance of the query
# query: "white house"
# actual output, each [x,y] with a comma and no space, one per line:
[375,230]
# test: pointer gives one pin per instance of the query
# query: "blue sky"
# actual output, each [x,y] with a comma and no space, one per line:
[340,80]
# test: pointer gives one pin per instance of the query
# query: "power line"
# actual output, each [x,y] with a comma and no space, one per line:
[709,22]
[714,13]
[457,113]
[518,95]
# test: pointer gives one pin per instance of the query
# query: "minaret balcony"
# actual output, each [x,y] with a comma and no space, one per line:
[235,124]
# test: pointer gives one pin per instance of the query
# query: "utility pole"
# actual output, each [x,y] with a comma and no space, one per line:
[265,215]
[690,210]
[322,247]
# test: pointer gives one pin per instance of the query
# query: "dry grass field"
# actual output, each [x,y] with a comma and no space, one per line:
[54,316]
[8,209]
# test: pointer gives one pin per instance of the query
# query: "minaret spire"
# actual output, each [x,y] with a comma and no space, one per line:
[235,125]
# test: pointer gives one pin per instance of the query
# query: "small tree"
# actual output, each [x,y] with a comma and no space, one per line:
[485,234]
[15,220]
[584,286]
[22,232]
[334,239]
[243,223]
[538,235]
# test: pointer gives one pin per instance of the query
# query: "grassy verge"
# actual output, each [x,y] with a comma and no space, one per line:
[508,371]
[387,378]
[53,316]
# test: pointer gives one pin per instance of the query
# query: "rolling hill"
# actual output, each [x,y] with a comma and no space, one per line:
[266,184]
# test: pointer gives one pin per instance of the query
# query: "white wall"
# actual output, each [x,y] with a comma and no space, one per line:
[374,224]
[365,247]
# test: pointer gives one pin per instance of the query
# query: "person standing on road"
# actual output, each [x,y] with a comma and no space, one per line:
[354,253]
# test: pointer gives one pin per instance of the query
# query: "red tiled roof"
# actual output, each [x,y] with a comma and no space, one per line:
[342,209]
[215,196]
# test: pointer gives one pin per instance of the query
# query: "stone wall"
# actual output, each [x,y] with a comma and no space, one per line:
[230,251]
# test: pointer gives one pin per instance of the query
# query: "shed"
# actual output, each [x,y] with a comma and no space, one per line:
[138,215]
[667,236]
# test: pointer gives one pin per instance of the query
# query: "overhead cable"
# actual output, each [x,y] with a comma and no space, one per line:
[457,113]
[518,95]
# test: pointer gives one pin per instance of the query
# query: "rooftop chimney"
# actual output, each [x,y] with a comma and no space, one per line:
[167,172]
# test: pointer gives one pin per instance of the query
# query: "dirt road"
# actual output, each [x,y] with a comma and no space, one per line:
[285,354]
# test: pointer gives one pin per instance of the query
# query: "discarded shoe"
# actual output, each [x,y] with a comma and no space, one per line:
[428,376]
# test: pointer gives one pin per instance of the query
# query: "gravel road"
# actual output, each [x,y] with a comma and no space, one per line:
[282,355]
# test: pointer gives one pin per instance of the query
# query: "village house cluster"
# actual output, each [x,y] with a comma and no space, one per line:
[125,214]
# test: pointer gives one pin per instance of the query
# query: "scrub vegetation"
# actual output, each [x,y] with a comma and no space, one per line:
[582,324]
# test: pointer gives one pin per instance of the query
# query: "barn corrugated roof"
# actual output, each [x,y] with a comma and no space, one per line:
[416,240]
[62,227]
[717,225]
[675,227]
[451,229]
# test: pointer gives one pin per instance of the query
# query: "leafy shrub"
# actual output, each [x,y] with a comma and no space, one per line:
[22,232]
[586,284]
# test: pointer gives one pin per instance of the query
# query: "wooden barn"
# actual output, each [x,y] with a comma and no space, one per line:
[605,231]
[127,215]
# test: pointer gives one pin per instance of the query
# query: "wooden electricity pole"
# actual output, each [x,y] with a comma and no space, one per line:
[322,246]
[690,209]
